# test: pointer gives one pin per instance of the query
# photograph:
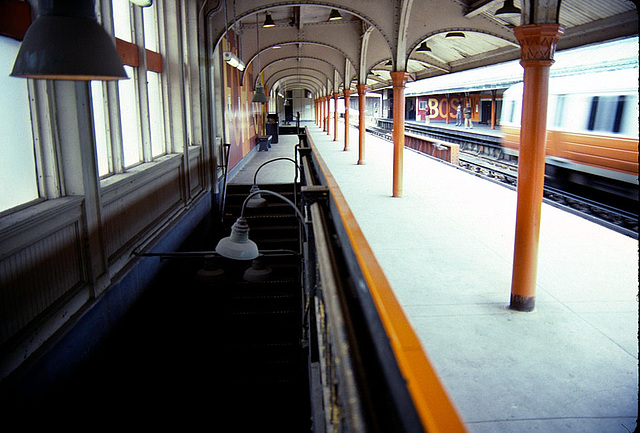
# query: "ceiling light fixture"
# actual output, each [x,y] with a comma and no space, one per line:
[335,15]
[233,60]
[268,21]
[66,42]
[259,95]
[455,35]
[142,3]
[508,10]
[423,48]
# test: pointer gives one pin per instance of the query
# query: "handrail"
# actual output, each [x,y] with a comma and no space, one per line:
[433,405]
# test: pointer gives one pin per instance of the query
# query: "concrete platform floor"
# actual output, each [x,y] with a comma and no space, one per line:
[446,248]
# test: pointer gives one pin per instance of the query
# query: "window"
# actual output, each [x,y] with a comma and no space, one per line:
[18,178]
[558,117]
[512,112]
[100,119]
[156,114]
[154,80]
[122,22]
[130,119]
[142,136]
[603,113]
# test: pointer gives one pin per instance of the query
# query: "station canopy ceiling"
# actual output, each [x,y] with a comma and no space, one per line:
[305,49]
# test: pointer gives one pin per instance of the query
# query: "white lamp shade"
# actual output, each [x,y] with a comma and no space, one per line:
[238,246]
[256,200]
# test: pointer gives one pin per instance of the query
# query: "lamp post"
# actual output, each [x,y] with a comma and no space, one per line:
[257,200]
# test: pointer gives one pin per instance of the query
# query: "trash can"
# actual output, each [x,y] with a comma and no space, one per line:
[272,127]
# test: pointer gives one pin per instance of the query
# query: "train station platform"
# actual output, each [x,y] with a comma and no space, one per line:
[446,248]
[478,128]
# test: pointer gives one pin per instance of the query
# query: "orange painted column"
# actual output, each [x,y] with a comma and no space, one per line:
[362,91]
[328,114]
[324,113]
[315,110]
[347,95]
[335,116]
[399,79]
[538,42]
[321,107]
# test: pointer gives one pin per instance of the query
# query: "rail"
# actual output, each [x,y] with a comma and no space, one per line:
[409,373]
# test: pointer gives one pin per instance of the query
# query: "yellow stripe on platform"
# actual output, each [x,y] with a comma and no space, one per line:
[434,407]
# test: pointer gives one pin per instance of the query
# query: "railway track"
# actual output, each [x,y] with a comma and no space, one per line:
[616,219]
[484,161]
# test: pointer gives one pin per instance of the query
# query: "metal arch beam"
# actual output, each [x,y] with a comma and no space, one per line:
[364,45]
[218,25]
[307,74]
[401,57]
[294,72]
[478,7]
[327,71]
[302,84]
[243,8]
[268,52]
[384,24]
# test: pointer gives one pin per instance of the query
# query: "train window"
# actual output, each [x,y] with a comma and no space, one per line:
[512,109]
[603,113]
[619,112]
[18,178]
[130,119]
[629,116]
[558,116]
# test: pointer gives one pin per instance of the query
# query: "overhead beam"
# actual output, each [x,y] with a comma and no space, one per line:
[478,7]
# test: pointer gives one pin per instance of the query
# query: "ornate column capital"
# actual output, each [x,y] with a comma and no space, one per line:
[399,78]
[538,42]
[346,92]
[362,88]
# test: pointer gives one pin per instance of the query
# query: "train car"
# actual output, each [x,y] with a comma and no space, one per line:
[592,130]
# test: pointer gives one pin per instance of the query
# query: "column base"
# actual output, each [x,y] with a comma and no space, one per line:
[522,303]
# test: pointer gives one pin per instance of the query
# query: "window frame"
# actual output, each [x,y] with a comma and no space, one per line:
[142,60]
